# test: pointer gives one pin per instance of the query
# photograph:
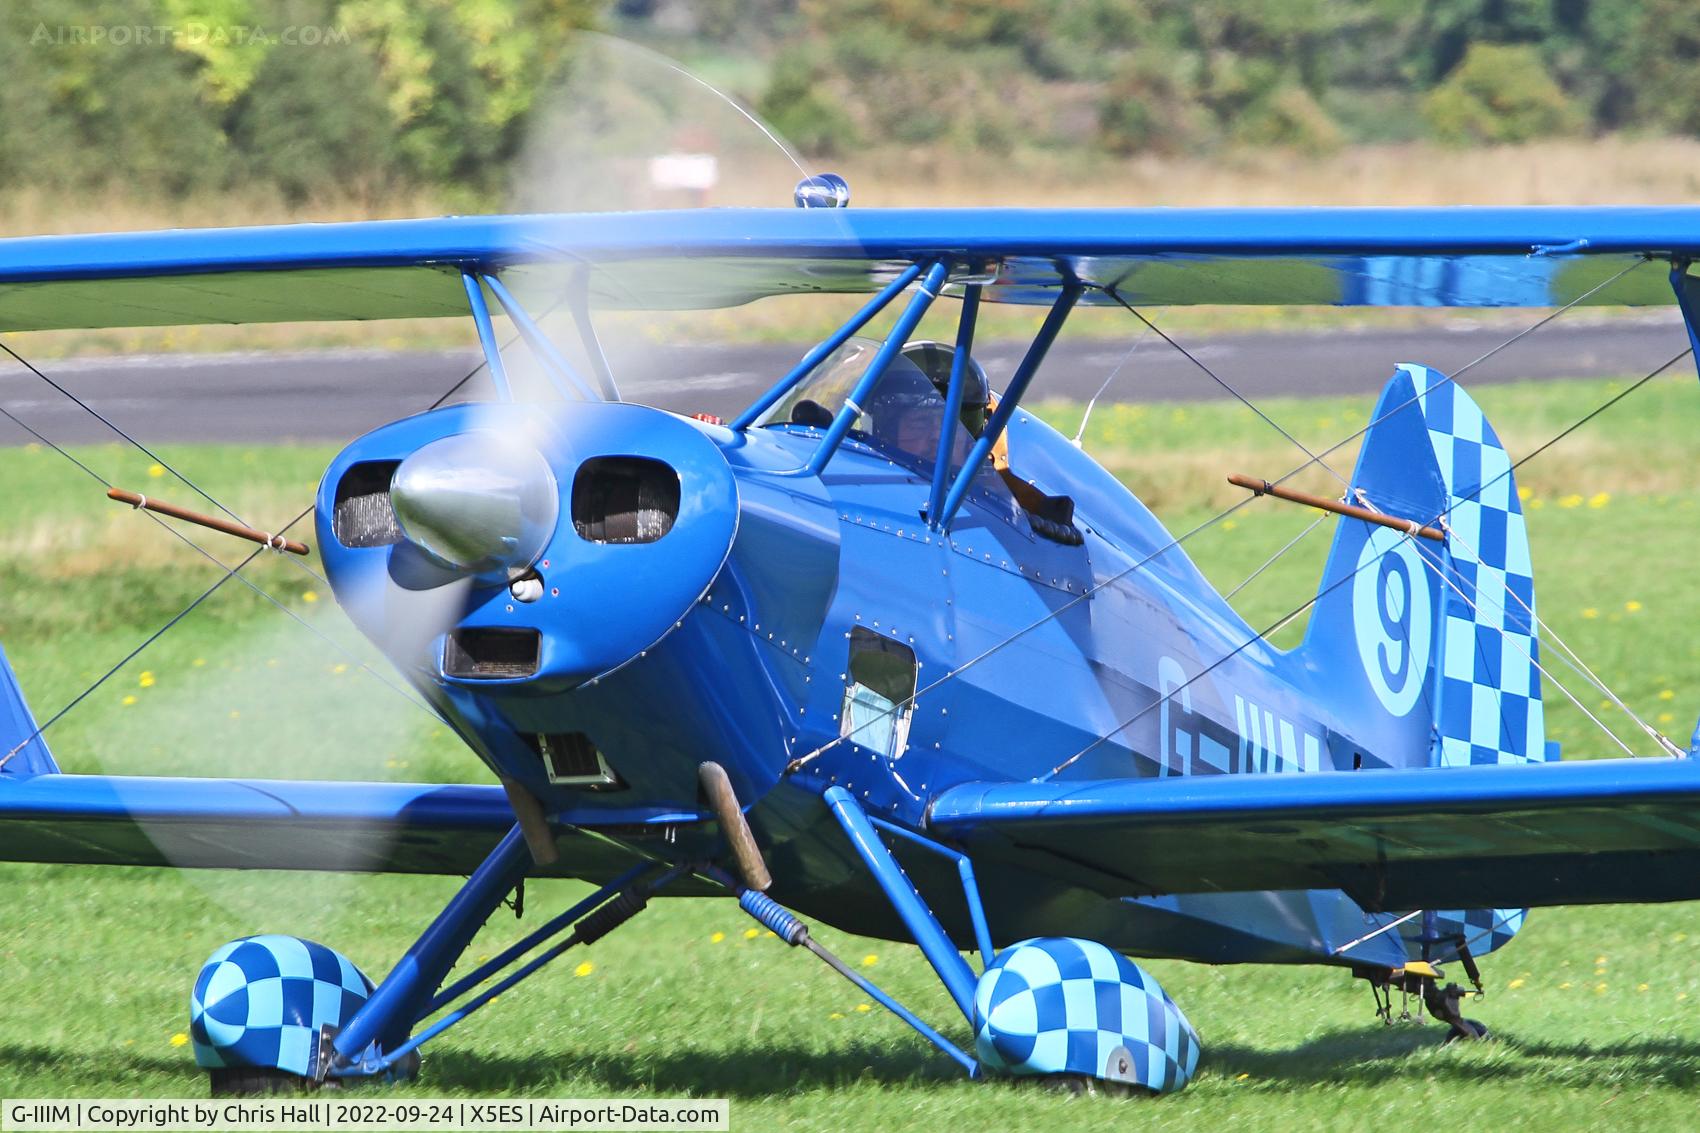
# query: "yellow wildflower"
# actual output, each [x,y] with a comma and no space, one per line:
[1590,612]
[716,938]
[1599,499]
[863,1008]
[156,471]
[128,700]
[584,969]
[146,680]
[1667,694]
[1572,500]
[179,1039]
[309,595]
[1515,984]
[870,960]
[1632,605]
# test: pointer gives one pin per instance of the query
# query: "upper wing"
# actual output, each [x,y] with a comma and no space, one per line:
[270,824]
[1580,832]
[410,268]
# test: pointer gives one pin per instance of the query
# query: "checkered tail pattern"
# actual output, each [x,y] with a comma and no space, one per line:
[1057,1005]
[1488,698]
[262,1001]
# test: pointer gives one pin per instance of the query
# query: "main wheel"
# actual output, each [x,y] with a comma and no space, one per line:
[245,1081]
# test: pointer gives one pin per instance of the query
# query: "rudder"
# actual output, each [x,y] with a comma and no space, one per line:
[1432,646]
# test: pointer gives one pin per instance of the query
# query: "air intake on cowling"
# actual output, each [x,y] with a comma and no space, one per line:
[362,516]
[571,759]
[491,654]
[624,499]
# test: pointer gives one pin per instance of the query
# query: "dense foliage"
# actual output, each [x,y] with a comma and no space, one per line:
[365,97]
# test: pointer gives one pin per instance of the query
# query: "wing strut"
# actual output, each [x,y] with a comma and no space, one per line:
[1011,398]
[486,334]
[555,363]
[838,338]
[888,351]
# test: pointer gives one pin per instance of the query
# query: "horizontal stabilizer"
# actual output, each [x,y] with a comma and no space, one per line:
[1579,832]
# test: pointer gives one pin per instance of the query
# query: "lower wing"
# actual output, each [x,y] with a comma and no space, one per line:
[270,824]
[1580,832]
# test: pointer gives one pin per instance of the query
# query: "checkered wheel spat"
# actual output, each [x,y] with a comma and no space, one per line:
[1056,1005]
[261,1001]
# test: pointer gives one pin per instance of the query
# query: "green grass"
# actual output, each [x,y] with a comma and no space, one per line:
[1594,1009]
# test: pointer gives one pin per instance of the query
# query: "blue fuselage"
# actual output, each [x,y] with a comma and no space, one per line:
[783,610]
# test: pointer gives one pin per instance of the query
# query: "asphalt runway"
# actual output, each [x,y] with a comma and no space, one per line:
[334,396]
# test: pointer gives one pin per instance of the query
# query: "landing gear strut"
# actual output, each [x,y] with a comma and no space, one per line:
[1423,981]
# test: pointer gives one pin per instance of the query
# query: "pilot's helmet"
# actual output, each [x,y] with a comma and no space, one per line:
[935,358]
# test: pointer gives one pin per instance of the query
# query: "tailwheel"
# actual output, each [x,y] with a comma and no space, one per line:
[1442,1003]
[1421,979]
[1477,1029]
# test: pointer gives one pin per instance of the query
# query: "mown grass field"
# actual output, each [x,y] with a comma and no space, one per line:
[1595,1010]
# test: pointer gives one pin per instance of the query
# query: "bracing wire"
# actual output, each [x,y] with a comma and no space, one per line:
[216,561]
[230,573]
[1093,403]
[1217,378]
[1464,369]
[140,447]
[1499,607]
[1348,576]
[1272,559]
[1570,657]
[1087,593]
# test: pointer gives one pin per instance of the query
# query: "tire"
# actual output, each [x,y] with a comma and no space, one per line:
[247,1081]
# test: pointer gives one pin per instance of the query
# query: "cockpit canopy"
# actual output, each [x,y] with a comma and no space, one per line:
[904,414]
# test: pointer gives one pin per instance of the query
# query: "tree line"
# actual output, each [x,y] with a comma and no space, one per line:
[370,97]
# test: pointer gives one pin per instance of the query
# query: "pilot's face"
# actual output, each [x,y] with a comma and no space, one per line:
[918,431]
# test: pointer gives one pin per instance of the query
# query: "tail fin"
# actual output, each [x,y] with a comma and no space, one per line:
[1434,644]
[22,752]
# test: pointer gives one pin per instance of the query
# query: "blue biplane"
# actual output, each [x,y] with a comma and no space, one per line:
[885,650]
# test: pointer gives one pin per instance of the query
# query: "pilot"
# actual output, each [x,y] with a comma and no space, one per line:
[907,411]
[1054,515]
